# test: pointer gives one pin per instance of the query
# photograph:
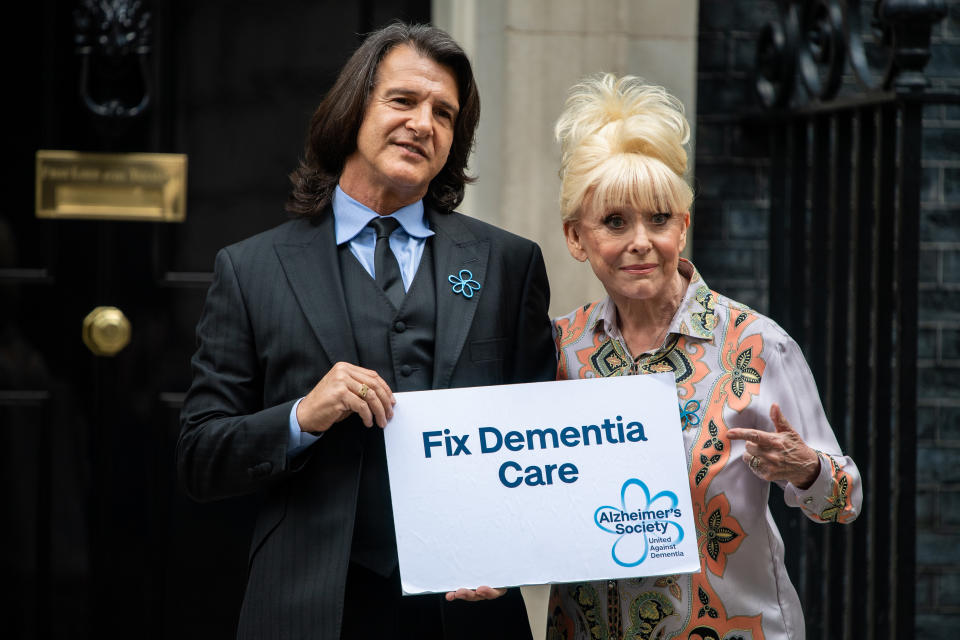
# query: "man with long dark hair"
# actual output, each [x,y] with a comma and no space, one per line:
[376,286]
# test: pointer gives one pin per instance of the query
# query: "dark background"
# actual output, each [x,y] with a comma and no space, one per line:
[97,540]
[732,250]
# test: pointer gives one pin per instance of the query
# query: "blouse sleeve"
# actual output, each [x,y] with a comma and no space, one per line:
[836,494]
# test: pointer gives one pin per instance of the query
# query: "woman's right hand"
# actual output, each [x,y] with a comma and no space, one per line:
[782,455]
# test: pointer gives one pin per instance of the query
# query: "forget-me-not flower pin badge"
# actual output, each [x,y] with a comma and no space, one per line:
[688,414]
[464,283]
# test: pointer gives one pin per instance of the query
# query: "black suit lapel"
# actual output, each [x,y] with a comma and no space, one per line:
[455,249]
[309,259]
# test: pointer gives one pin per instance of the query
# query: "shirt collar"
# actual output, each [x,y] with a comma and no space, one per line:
[351,217]
[694,317]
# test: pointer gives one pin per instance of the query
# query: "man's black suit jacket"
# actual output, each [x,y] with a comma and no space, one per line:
[273,324]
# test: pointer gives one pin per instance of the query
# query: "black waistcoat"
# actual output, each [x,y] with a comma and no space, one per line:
[398,344]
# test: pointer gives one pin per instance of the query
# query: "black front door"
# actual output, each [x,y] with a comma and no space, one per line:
[98,540]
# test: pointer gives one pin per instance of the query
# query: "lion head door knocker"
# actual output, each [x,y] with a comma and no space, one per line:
[113,40]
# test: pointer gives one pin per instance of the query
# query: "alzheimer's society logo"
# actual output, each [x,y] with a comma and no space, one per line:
[644,525]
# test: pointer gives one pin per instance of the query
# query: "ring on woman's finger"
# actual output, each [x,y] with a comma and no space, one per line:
[363,391]
[754,463]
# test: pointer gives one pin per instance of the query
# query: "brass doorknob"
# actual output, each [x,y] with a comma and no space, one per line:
[106,331]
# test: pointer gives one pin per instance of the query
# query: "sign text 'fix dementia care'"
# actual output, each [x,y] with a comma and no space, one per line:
[513,474]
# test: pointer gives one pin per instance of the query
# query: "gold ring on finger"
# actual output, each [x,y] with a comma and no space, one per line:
[363,391]
[754,463]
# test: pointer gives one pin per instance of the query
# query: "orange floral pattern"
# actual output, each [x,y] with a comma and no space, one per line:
[741,361]
[839,506]
[718,534]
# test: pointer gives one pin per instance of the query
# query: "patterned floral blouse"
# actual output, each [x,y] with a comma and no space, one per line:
[731,364]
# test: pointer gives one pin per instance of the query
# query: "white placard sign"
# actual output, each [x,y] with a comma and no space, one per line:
[537,483]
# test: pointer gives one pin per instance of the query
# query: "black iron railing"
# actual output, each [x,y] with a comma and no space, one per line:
[843,89]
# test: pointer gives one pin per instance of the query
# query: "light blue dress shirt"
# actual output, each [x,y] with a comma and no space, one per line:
[350,220]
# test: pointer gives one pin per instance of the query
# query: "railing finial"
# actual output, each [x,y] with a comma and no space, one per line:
[801,57]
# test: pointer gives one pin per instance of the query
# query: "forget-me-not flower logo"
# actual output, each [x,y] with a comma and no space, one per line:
[638,518]
[688,414]
[464,283]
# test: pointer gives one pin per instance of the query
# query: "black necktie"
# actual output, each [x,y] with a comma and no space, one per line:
[385,263]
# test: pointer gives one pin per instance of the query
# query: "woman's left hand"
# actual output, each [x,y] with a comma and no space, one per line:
[779,456]
[471,595]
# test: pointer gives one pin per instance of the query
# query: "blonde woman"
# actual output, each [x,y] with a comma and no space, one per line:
[625,206]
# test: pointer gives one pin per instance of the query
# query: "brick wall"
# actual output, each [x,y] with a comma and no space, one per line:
[938,351]
[730,249]
[731,209]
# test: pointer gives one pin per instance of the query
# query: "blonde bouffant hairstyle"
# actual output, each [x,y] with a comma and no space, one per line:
[622,143]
